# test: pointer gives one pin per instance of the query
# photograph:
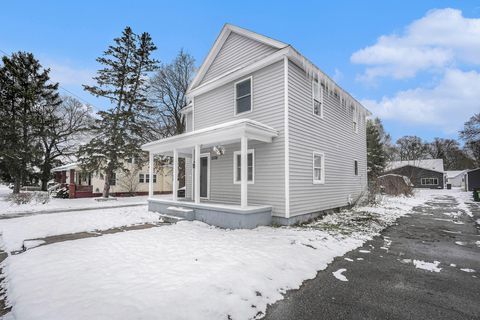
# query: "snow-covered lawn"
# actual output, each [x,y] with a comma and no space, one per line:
[188,270]
[7,207]
[14,231]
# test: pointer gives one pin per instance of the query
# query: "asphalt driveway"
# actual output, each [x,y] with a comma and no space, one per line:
[412,271]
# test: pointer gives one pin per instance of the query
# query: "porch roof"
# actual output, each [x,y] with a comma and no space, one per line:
[223,133]
[65,167]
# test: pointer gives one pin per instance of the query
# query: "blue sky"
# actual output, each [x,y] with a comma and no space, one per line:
[416,64]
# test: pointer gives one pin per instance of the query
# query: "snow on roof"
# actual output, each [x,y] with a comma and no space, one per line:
[65,167]
[429,164]
[454,173]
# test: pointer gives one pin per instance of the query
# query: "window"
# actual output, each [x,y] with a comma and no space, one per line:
[355,165]
[243,96]
[429,181]
[355,126]
[129,160]
[237,166]
[113,179]
[147,178]
[317,93]
[141,178]
[318,168]
[154,178]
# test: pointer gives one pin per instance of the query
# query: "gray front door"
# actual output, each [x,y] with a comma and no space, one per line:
[204,168]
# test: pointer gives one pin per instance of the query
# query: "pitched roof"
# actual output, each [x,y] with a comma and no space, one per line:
[454,173]
[429,164]
[283,48]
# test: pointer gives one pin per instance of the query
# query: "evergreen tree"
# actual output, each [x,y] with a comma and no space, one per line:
[120,130]
[24,92]
[376,159]
[471,135]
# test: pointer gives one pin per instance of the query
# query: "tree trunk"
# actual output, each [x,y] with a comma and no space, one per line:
[106,186]
[45,177]
[16,185]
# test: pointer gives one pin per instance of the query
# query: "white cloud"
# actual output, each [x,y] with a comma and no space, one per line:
[441,39]
[66,74]
[446,106]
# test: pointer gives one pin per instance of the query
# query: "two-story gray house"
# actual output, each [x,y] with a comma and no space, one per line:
[270,138]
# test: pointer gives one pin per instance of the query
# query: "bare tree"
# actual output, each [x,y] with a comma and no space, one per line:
[129,180]
[471,135]
[169,94]
[60,139]
[411,148]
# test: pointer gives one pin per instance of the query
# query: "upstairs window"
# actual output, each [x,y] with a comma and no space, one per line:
[141,178]
[317,93]
[243,96]
[318,168]
[237,165]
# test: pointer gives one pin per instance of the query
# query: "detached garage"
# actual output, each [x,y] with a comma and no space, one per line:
[472,179]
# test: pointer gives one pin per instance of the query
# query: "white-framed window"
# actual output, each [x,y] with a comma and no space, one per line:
[355,126]
[237,168]
[355,167]
[354,119]
[318,167]
[141,178]
[429,181]
[243,96]
[317,98]
[154,178]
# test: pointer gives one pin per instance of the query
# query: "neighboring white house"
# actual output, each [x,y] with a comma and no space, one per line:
[270,138]
[456,177]
[135,181]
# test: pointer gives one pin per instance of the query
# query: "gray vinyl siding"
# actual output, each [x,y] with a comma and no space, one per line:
[188,122]
[236,52]
[333,135]
[217,106]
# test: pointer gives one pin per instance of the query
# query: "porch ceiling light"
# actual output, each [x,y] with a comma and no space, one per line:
[217,151]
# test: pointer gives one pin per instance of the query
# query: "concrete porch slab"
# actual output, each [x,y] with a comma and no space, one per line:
[220,215]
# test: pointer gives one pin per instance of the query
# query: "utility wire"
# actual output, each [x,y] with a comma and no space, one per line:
[65,89]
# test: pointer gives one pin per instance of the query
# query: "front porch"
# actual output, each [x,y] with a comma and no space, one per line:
[198,148]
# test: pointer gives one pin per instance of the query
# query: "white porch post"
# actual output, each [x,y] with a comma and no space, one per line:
[175,175]
[150,172]
[244,172]
[197,174]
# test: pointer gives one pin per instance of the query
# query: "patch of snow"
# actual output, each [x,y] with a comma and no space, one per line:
[29,244]
[359,259]
[15,231]
[453,265]
[348,259]
[467,270]
[364,251]
[143,274]
[338,274]
[460,243]
[429,266]
[406,260]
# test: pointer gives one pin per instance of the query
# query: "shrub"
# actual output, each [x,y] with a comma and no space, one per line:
[393,184]
[20,198]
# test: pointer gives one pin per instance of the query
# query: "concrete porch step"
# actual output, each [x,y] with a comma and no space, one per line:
[182,212]
[170,219]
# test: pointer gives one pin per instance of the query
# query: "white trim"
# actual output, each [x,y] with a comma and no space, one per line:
[287,137]
[313,99]
[150,172]
[235,154]
[322,180]
[429,184]
[236,73]
[206,155]
[235,96]
[193,113]
[174,175]
[197,173]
